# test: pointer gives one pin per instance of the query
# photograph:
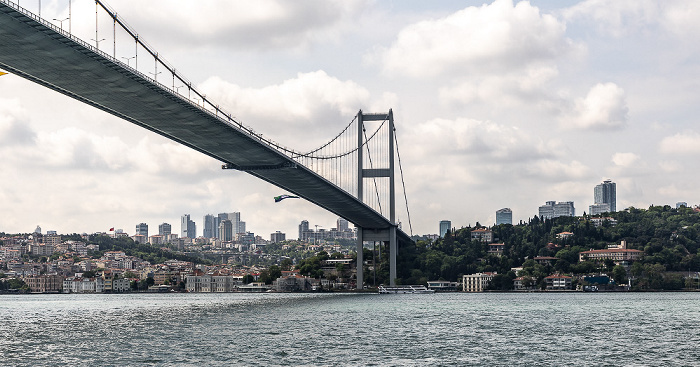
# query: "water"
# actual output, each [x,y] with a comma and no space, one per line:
[504,329]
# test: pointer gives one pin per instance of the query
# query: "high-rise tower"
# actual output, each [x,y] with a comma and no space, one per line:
[504,216]
[187,227]
[604,198]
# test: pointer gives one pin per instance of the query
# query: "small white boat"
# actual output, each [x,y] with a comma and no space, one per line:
[405,289]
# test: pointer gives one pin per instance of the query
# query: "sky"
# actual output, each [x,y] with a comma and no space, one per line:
[497,104]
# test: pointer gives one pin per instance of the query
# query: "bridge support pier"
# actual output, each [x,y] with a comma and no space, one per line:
[386,236]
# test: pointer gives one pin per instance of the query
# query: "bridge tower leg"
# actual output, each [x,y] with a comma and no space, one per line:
[386,235]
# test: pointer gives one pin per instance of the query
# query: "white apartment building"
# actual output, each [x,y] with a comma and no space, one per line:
[477,282]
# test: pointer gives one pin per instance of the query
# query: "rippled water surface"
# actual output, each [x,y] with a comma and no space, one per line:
[554,329]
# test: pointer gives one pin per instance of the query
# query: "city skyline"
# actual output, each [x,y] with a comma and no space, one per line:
[507,126]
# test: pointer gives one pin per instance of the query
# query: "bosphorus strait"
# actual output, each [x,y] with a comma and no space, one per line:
[455,329]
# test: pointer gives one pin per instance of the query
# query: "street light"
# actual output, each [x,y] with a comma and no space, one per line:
[61,21]
[97,42]
[128,59]
[155,75]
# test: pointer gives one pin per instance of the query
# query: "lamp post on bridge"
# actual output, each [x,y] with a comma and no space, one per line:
[128,60]
[97,42]
[61,21]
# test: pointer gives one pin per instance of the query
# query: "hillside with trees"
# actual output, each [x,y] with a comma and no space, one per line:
[668,237]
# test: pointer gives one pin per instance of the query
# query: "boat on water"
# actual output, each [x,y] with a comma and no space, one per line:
[405,289]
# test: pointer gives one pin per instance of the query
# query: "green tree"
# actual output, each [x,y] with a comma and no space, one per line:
[619,274]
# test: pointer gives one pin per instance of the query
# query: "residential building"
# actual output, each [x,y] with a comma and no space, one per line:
[482,234]
[187,227]
[553,209]
[558,282]
[496,249]
[599,221]
[604,193]
[164,229]
[52,239]
[477,282]
[504,216]
[142,229]
[277,237]
[445,226]
[83,285]
[681,204]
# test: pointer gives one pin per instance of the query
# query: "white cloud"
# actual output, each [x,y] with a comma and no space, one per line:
[604,108]
[491,38]
[625,159]
[298,109]
[260,24]
[685,143]
[13,123]
[558,171]
[624,17]
[483,139]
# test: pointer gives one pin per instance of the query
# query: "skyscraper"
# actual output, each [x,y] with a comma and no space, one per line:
[142,229]
[210,228]
[604,198]
[504,216]
[445,226]
[164,229]
[226,230]
[342,225]
[303,227]
[187,227]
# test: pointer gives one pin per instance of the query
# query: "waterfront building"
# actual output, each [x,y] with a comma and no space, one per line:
[553,209]
[482,234]
[210,228]
[164,229]
[44,283]
[187,227]
[83,285]
[558,282]
[604,193]
[277,237]
[142,229]
[504,216]
[445,226]
[477,282]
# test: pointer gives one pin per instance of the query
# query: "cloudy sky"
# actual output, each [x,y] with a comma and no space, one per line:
[497,104]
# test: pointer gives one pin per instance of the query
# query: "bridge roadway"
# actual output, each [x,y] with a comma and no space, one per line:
[32,50]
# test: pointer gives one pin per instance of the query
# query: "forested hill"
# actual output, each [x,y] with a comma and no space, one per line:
[669,237]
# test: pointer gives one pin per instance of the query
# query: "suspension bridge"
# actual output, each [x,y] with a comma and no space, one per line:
[352,175]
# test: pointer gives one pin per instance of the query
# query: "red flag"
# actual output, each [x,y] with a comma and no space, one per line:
[111,229]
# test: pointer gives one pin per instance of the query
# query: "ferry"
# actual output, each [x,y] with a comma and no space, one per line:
[405,289]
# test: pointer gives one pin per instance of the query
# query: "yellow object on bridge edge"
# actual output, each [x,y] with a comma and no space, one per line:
[2,73]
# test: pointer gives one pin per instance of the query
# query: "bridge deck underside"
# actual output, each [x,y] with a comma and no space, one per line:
[40,54]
